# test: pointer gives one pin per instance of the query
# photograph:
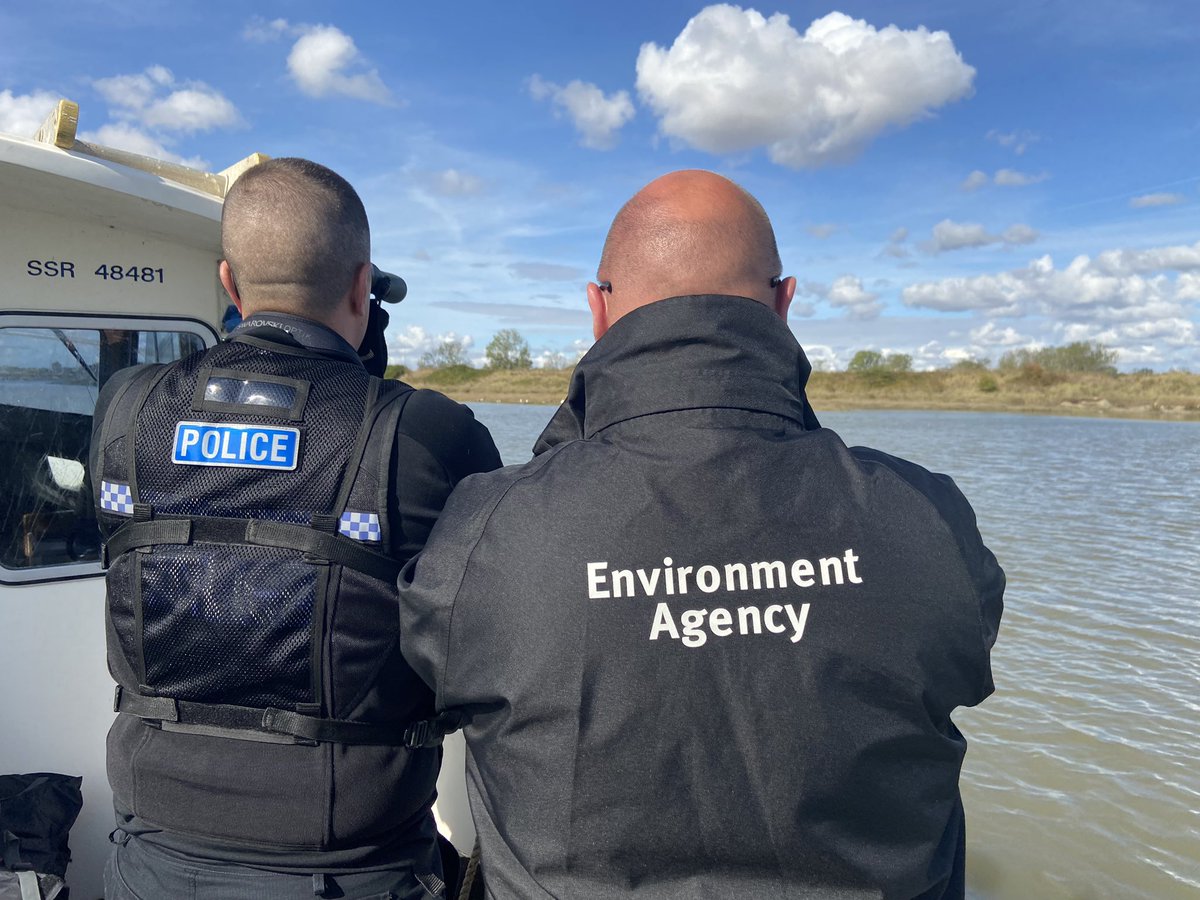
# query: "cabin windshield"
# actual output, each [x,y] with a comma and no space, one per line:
[51,372]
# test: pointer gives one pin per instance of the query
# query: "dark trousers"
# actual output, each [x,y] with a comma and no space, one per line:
[137,870]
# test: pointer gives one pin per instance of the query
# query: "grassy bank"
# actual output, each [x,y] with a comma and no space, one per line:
[1170,395]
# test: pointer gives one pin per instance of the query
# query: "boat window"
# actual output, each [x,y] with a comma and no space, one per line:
[50,377]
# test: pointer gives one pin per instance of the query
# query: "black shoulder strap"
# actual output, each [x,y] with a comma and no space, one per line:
[372,452]
[119,419]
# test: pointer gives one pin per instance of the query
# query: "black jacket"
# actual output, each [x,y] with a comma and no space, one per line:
[297,480]
[709,650]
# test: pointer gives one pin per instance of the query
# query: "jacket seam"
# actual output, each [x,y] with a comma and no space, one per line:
[542,460]
[983,654]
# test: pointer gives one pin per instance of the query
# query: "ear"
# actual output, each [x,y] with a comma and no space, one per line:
[599,307]
[784,292]
[360,291]
[226,275]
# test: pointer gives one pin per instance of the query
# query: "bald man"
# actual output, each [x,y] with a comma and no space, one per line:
[258,500]
[705,649]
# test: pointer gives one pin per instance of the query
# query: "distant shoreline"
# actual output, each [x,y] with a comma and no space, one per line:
[1167,396]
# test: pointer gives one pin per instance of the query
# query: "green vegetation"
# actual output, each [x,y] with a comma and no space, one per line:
[1077,379]
[447,354]
[1081,356]
[508,350]
[448,376]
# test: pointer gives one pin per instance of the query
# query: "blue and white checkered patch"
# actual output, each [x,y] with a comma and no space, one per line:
[116,498]
[361,526]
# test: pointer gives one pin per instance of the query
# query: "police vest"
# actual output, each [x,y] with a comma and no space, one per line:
[251,596]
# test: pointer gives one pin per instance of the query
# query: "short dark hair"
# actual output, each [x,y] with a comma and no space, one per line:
[294,233]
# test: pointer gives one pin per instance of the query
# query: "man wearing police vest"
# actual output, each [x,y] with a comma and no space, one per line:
[706,649]
[258,500]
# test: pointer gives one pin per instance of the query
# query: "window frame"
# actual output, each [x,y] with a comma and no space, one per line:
[89,321]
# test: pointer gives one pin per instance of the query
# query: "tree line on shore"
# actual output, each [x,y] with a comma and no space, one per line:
[509,351]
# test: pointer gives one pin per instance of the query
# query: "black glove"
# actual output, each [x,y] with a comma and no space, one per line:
[373,349]
[384,287]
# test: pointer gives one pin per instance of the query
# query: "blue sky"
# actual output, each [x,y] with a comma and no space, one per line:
[946,179]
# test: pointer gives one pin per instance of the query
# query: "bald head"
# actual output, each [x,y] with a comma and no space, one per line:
[295,236]
[689,232]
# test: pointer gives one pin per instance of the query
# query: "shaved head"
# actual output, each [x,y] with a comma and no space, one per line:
[295,235]
[689,232]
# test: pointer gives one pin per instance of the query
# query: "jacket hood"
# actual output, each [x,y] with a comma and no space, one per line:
[694,352]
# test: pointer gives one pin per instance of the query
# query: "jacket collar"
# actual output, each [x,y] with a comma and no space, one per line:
[286,328]
[698,352]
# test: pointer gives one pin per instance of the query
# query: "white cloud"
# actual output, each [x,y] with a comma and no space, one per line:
[822,357]
[1180,258]
[974,181]
[1125,290]
[596,116]
[261,31]
[1018,234]
[1017,141]
[1002,178]
[733,80]
[455,183]
[992,335]
[949,235]
[155,100]
[822,230]
[324,62]
[407,345]
[1146,200]
[1013,178]
[23,114]
[847,293]
[895,246]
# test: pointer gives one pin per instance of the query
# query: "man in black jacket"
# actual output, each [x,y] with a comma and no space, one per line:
[258,500]
[706,649]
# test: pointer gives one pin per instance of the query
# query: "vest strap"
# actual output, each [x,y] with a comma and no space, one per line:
[333,548]
[413,735]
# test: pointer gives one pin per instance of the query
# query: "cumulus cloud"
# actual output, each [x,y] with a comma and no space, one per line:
[1013,178]
[989,334]
[822,357]
[597,116]
[407,345]
[261,31]
[1002,178]
[454,183]
[733,80]
[23,114]
[1146,200]
[975,181]
[847,293]
[325,62]
[949,235]
[1120,297]
[1017,141]
[895,247]
[156,100]
[574,317]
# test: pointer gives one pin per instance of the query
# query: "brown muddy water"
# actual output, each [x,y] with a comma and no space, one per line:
[1082,780]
